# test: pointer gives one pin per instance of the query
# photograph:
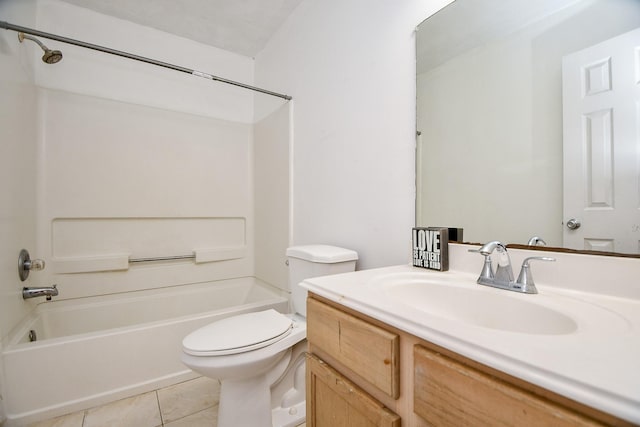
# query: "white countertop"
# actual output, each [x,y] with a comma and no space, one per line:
[598,364]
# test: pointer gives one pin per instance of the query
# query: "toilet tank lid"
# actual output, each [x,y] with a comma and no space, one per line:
[322,253]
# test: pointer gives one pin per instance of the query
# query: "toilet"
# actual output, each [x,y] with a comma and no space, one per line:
[259,357]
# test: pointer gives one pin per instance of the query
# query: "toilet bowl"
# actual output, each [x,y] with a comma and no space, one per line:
[258,357]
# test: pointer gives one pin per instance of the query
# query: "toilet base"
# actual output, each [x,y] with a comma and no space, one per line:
[289,417]
[288,396]
[251,406]
[245,403]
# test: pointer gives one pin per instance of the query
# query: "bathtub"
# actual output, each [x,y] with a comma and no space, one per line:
[90,351]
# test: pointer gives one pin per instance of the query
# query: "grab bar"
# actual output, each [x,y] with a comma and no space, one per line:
[123,261]
[162,258]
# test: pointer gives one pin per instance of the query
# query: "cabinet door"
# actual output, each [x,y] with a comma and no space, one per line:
[449,393]
[368,350]
[334,401]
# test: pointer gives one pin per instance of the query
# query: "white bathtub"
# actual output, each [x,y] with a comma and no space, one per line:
[90,351]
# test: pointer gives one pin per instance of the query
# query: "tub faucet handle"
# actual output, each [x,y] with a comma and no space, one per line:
[35,265]
[26,264]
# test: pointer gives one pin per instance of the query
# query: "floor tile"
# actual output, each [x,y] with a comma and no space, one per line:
[137,411]
[71,420]
[187,398]
[206,418]
[190,404]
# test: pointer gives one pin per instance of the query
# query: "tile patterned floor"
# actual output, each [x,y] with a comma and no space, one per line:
[189,404]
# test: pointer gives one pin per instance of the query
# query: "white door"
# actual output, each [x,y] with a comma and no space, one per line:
[601,143]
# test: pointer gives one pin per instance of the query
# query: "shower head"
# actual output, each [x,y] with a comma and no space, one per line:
[50,56]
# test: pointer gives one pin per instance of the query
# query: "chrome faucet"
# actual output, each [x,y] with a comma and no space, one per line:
[504,272]
[503,276]
[536,241]
[40,292]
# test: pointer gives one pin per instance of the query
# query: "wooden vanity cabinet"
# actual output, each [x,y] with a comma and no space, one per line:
[362,372]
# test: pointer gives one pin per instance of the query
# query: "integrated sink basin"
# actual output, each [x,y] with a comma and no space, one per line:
[480,308]
[446,297]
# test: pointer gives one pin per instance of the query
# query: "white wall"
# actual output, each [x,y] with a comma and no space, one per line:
[130,160]
[98,74]
[121,179]
[271,196]
[17,167]
[350,67]
[18,124]
[137,161]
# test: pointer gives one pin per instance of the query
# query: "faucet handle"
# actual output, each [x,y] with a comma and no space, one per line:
[525,278]
[26,264]
[536,241]
[486,276]
[35,265]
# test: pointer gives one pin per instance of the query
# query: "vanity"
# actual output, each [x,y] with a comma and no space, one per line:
[412,347]
[501,134]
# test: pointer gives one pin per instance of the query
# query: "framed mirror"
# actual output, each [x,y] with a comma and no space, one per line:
[510,147]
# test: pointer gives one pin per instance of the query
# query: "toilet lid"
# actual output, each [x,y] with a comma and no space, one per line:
[238,334]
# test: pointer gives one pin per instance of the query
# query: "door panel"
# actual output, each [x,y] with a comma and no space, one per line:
[601,144]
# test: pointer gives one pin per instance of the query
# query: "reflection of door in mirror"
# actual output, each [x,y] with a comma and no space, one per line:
[601,121]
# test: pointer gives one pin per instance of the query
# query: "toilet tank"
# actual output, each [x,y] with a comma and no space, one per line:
[313,261]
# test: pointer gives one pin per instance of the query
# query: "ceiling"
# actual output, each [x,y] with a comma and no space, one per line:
[240,26]
[467,24]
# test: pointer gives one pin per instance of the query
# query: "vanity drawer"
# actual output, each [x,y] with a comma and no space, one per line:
[334,401]
[368,350]
[449,393]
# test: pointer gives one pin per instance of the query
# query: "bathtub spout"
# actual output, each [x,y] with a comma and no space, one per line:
[40,292]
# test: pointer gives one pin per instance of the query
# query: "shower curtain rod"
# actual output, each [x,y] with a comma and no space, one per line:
[8,26]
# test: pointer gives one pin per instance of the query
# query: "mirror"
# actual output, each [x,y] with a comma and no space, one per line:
[490,137]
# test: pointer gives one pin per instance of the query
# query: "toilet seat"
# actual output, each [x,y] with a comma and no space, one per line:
[238,334]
